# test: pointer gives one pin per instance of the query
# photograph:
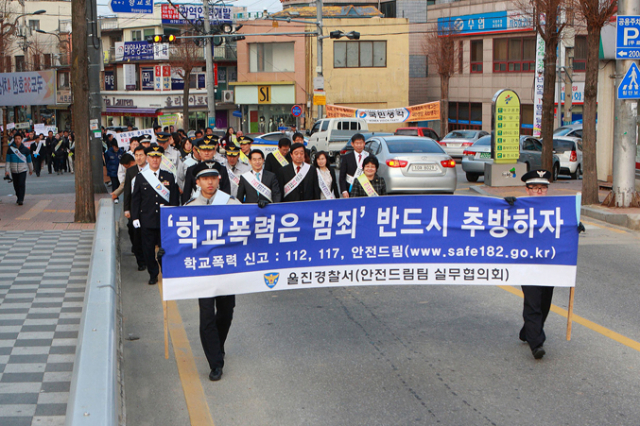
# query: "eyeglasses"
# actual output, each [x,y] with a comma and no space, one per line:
[538,188]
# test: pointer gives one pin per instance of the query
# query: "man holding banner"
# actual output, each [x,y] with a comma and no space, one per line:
[153,188]
[299,179]
[351,164]
[235,168]
[18,162]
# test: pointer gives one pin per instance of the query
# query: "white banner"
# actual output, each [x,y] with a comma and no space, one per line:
[44,129]
[28,88]
[129,76]
[124,137]
[539,87]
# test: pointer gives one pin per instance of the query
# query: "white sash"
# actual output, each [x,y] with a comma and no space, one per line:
[17,152]
[155,183]
[234,178]
[168,165]
[257,185]
[351,179]
[220,198]
[189,161]
[37,151]
[299,177]
[283,161]
[324,188]
[366,185]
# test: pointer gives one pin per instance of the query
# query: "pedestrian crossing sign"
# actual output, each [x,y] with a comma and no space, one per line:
[629,87]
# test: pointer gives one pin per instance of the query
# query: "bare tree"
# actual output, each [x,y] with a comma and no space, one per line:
[595,14]
[185,56]
[440,48]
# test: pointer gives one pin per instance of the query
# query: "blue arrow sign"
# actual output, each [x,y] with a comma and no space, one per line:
[132,6]
[628,37]
[629,87]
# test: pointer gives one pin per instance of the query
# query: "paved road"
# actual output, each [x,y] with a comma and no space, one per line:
[396,355]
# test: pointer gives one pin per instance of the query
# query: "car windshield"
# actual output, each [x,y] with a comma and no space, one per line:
[407,132]
[415,146]
[461,134]
[562,146]
[483,141]
[562,131]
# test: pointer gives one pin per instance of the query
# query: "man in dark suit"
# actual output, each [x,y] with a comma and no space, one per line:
[279,158]
[206,149]
[351,164]
[153,188]
[258,185]
[298,180]
[134,234]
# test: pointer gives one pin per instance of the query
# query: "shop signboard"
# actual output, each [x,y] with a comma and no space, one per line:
[129,76]
[109,80]
[28,88]
[485,23]
[147,78]
[505,140]
[141,51]
[184,13]
[64,96]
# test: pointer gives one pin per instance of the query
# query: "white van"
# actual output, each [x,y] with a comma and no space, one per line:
[332,134]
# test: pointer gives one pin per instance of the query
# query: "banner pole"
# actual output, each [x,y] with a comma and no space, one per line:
[570,312]
[165,317]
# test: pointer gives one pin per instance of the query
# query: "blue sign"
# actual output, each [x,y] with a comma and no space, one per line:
[211,122]
[141,51]
[628,37]
[109,80]
[365,241]
[485,23]
[237,114]
[296,111]
[629,88]
[147,78]
[132,6]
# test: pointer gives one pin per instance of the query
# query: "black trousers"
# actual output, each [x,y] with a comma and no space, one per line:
[216,314]
[49,159]
[37,164]
[135,235]
[537,303]
[150,239]
[60,162]
[115,183]
[19,184]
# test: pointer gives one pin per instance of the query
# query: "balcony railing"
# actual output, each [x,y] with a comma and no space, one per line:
[226,52]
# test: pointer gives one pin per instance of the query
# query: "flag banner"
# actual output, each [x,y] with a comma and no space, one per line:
[423,112]
[124,138]
[28,88]
[393,240]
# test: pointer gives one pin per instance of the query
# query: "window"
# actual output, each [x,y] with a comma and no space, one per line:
[36,62]
[476,56]
[526,119]
[359,54]
[388,9]
[325,125]
[63,80]
[20,65]
[514,54]
[136,35]
[464,115]
[417,66]
[271,57]
[348,125]
[47,61]
[34,24]
[580,54]
[148,33]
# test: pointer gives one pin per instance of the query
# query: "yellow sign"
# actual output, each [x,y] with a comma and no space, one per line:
[264,94]
[319,98]
[506,127]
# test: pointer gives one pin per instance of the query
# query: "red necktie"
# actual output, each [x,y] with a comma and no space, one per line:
[298,170]
[359,158]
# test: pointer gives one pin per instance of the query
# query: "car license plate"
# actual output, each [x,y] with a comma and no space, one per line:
[423,167]
[485,155]
[454,145]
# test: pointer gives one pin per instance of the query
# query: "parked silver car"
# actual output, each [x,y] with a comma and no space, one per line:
[479,153]
[569,151]
[413,164]
[572,130]
[454,143]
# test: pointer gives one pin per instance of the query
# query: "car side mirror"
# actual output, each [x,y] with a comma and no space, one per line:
[308,132]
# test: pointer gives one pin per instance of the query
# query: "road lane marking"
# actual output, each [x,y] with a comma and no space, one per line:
[583,321]
[35,210]
[609,228]
[197,406]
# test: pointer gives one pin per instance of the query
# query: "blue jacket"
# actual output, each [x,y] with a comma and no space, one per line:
[112,159]
[14,164]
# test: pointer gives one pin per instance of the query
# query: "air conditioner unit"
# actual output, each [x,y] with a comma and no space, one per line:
[227,96]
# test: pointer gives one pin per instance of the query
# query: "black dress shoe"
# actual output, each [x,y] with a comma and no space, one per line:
[141,267]
[20,203]
[538,352]
[153,280]
[216,374]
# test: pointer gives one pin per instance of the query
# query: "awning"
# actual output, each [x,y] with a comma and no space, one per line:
[59,106]
[131,112]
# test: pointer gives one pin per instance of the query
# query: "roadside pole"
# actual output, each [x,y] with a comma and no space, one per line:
[319,55]
[94,51]
[208,57]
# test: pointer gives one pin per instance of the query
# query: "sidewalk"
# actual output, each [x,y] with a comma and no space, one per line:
[44,262]
[628,218]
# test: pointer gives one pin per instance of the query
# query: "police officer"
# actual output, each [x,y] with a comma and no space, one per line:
[537,299]
[206,149]
[153,188]
[216,313]
[235,168]
[245,148]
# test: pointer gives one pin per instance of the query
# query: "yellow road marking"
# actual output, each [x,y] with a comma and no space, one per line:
[583,321]
[197,406]
[35,210]
[619,231]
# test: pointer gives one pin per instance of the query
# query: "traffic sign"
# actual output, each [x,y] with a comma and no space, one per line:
[629,87]
[628,37]
[132,6]
[296,111]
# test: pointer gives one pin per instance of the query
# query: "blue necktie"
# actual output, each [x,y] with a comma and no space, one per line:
[258,177]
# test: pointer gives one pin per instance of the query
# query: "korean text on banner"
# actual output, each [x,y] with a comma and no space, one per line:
[44,129]
[428,239]
[168,120]
[423,112]
[28,88]
[124,137]
[335,111]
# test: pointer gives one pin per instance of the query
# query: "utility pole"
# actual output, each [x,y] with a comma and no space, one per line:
[623,193]
[94,51]
[208,57]
[319,55]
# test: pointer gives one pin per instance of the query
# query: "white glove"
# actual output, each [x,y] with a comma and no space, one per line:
[136,223]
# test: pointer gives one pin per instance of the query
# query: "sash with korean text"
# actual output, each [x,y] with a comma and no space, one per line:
[366,185]
[299,177]
[257,185]
[155,183]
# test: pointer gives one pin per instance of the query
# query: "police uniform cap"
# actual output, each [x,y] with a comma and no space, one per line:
[203,170]
[212,138]
[243,140]
[154,151]
[537,177]
[296,146]
[203,143]
[162,137]
[232,151]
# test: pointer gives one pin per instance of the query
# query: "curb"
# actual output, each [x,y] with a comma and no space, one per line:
[630,221]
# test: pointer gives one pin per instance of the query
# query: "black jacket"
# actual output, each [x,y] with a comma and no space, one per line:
[334,183]
[128,177]
[348,166]
[145,201]
[190,182]
[271,163]
[247,194]
[308,188]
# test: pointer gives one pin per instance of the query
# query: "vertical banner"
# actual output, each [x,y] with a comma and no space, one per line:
[166,77]
[109,80]
[539,87]
[147,78]
[157,80]
[129,76]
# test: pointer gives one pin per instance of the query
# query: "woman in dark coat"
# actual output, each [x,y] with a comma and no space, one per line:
[329,184]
